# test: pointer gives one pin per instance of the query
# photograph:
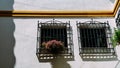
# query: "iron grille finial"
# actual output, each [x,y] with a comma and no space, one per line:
[53,20]
[92,21]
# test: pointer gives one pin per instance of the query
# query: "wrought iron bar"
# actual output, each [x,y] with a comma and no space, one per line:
[54,30]
[93,38]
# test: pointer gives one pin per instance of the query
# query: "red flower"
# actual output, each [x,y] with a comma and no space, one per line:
[53,45]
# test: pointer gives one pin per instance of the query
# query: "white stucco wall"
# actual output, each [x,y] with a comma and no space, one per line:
[25,46]
[57,4]
[64,4]
[18,37]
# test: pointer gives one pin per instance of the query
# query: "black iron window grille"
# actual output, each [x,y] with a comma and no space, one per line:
[94,40]
[118,20]
[54,30]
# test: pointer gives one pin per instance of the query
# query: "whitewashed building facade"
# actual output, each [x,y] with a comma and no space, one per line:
[87,38]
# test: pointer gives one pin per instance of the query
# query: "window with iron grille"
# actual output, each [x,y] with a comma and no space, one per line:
[54,33]
[94,39]
[54,30]
[118,20]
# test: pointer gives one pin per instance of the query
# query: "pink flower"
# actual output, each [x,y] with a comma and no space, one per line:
[53,43]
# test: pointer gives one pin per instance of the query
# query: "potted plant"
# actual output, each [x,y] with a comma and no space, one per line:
[116,41]
[53,46]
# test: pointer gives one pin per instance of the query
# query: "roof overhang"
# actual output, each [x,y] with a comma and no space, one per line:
[61,13]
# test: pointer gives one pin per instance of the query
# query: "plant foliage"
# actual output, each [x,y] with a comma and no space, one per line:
[116,37]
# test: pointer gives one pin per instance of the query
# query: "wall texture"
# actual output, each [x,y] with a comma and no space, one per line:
[18,37]
[18,45]
[64,4]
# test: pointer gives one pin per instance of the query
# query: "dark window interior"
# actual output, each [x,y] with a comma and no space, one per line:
[52,33]
[93,37]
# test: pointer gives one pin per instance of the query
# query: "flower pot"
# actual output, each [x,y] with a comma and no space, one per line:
[55,49]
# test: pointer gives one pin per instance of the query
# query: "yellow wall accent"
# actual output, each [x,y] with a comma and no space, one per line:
[61,13]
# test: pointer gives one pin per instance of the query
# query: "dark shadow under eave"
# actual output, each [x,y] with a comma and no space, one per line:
[7,43]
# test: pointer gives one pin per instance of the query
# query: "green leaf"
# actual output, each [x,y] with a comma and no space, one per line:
[116,38]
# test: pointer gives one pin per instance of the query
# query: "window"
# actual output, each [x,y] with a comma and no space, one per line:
[54,30]
[94,39]
[118,20]
[91,37]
